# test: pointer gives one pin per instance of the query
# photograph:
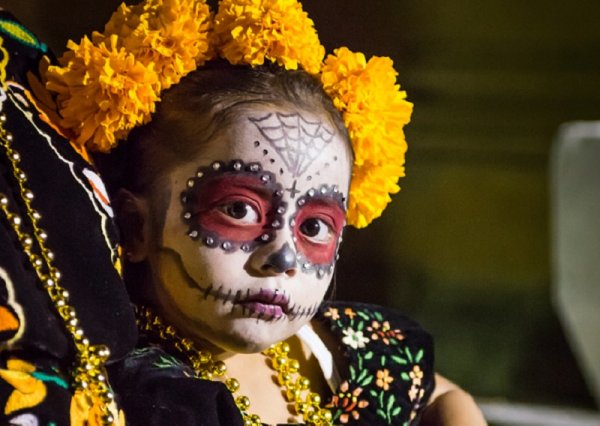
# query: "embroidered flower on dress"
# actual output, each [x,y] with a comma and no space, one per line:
[348,402]
[354,339]
[416,375]
[415,392]
[86,410]
[349,312]
[384,332]
[332,313]
[384,379]
[28,392]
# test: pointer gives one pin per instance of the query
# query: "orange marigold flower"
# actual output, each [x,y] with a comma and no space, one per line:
[110,84]
[252,31]
[171,34]
[375,111]
[102,91]
[370,191]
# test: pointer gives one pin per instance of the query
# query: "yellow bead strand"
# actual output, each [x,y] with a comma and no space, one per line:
[89,375]
[297,387]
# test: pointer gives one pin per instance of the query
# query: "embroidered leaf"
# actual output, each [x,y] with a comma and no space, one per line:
[419,356]
[396,411]
[409,355]
[363,315]
[166,361]
[378,316]
[399,360]
[391,402]
[362,375]
[381,413]
[352,373]
[367,381]
[369,355]
[405,377]
[383,359]
[361,325]
[48,378]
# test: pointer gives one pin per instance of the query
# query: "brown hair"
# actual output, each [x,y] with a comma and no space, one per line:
[204,101]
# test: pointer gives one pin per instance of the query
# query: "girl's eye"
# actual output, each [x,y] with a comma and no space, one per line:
[241,211]
[316,230]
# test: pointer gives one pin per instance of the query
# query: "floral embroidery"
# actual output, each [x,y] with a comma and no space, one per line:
[86,411]
[29,391]
[389,376]
[332,313]
[384,379]
[354,339]
[384,332]
[351,314]
[416,375]
[347,403]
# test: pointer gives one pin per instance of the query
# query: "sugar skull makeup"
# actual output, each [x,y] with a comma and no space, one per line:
[252,229]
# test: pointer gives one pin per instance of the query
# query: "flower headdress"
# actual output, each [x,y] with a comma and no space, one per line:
[109,84]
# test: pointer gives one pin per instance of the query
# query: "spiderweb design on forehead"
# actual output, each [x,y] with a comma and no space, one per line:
[297,140]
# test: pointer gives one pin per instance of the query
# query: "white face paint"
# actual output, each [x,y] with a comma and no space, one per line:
[252,229]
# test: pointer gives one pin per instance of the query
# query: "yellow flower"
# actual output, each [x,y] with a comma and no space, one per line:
[102,91]
[350,313]
[333,313]
[375,111]
[28,392]
[86,410]
[384,379]
[416,375]
[252,31]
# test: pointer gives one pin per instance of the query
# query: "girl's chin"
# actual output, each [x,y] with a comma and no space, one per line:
[253,337]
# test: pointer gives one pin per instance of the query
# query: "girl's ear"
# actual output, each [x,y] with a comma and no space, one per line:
[134,225]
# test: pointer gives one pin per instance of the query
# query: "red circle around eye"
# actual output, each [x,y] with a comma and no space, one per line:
[211,196]
[329,212]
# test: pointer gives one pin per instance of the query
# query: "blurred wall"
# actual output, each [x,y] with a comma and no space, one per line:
[465,246]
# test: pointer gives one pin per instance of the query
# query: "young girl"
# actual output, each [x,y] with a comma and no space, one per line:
[231,204]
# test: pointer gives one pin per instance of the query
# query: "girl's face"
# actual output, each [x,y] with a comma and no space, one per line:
[252,229]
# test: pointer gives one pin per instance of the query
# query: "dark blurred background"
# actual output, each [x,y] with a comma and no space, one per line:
[465,247]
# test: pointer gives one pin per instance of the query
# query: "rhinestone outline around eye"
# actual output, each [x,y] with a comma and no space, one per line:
[306,266]
[274,218]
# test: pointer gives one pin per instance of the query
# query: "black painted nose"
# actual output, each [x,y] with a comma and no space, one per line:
[282,260]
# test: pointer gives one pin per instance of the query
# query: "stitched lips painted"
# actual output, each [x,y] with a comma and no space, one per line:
[267,303]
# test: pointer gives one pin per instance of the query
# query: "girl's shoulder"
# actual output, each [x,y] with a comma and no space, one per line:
[388,374]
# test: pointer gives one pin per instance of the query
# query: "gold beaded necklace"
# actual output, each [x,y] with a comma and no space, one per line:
[297,387]
[88,372]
